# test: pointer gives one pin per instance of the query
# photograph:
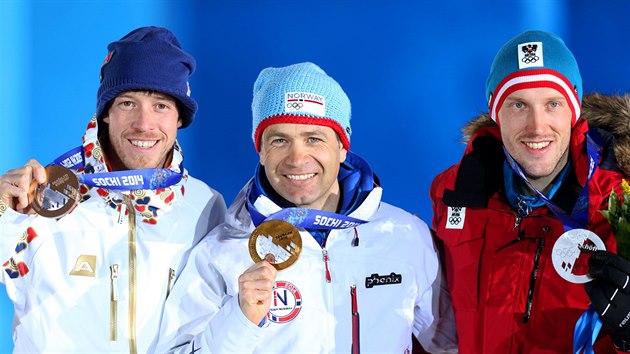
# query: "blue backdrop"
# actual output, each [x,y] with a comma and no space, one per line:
[414,70]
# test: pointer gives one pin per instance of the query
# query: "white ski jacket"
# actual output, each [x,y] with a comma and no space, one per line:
[394,267]
[94,281]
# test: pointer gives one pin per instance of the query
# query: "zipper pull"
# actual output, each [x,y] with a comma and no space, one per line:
[121,213]
[517,221]
[171,276]
[328,278]
[114,270]
[113,304]
[355,239]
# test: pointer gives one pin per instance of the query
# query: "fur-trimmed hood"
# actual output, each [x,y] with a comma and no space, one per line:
[611,113]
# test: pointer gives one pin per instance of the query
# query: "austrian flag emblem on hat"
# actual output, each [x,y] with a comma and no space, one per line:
[534,59]
[530,55]
[305,102]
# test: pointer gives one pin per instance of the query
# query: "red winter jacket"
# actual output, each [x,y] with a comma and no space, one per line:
[506,293]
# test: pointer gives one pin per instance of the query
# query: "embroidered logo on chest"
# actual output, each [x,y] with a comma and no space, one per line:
[375,280]
[85,266]
[286,302]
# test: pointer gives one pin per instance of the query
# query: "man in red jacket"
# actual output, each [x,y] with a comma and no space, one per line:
[519,214]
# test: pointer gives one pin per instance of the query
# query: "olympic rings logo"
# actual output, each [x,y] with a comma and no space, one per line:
[454,220]
[295,105]
[567,252]
[528,59]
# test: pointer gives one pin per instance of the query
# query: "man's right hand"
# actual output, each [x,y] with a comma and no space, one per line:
[17,186]
[254,288]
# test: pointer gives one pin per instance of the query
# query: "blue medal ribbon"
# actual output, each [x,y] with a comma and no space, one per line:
[305,218]
[588,326]
[147,178]
[586,330]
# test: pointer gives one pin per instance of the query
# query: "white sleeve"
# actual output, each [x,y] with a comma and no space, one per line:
[434,320]
[200,317]
[12,226]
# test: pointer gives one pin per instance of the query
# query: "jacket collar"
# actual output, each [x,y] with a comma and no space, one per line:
[150,204]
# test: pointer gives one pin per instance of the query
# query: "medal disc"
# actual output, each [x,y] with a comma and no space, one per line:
[277,242]
[58,195]
[570,254]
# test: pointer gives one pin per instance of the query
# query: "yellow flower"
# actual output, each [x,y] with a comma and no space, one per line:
[625,186]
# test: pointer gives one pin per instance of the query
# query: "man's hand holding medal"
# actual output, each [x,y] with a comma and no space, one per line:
[51,192]
[274,245]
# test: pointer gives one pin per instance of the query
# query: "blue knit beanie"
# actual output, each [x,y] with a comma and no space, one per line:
[303,94]
[530,60]
[148,58]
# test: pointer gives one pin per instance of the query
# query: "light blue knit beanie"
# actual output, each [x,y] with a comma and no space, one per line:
[530,60]
[303,94]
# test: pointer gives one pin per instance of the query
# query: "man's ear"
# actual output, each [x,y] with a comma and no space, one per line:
[179,123]
[106,119]
[343,153]
[262,156]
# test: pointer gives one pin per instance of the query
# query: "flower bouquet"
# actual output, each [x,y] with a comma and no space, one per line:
[618,215]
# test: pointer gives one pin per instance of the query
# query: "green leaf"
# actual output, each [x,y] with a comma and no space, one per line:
[613,203]
[623,238]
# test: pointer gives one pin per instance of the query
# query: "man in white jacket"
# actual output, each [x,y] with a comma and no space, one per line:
[348,273]
[93,277]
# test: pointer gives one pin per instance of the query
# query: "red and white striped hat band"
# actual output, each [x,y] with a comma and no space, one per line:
[525,79]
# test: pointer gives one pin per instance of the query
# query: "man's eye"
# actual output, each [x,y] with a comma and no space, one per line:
[518,105]
[126,104]
[314,140]
[554,104]
[278,141]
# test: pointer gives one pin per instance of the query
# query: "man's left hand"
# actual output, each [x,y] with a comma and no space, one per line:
[610,292]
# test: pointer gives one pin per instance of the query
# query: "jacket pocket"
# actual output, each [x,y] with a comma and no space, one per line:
[463,253]
[514,276]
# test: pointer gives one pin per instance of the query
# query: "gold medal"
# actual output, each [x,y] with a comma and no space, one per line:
[58,195]
[277,242]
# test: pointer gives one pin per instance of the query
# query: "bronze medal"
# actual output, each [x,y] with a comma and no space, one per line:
[277,242]
[59,195]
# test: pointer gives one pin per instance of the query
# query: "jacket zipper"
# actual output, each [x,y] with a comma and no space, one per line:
[113,304]
[356,342]
[325,254]
[517,221]
[171,276]
[131,233]
[532,281]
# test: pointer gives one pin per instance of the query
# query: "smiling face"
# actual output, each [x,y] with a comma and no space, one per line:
[536,131]
[302,163]
[142,129]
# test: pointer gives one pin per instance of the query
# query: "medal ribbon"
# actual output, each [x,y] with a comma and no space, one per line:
[305,218]
[588,326]
[586,331]
[147,178]
[579,216]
